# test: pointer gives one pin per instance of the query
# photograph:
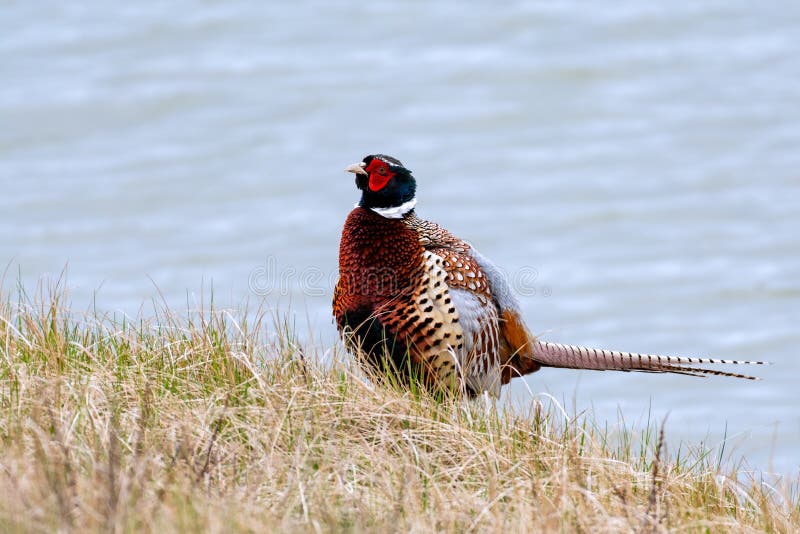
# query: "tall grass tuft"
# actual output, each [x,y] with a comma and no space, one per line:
[223,421]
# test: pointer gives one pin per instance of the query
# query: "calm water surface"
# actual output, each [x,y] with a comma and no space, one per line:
[635,168]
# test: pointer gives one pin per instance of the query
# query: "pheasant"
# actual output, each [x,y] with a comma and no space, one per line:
[414,300]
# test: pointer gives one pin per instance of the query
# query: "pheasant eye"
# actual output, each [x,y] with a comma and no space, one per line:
[382,171]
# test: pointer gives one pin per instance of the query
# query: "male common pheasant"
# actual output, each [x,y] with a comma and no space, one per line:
[413,299]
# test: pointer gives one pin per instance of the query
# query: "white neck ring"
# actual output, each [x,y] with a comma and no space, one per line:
[396,212]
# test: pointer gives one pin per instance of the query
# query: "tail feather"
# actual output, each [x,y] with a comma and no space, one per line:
[575,357]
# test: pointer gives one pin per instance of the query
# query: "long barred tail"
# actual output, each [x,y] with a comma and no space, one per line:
[574,357]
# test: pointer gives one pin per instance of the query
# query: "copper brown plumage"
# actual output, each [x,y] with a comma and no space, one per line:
[414,299]
[392,298]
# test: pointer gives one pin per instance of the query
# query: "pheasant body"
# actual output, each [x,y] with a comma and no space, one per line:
[414,298]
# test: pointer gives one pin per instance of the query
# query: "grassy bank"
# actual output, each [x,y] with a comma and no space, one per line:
[208,421]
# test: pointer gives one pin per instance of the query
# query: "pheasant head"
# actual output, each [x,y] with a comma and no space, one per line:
[387,187]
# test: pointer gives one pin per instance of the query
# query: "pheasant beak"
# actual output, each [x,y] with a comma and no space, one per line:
[357,168]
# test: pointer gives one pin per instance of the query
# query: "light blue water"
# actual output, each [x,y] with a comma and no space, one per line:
[634,168]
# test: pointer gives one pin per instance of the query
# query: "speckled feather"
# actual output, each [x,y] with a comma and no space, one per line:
[387,276]
[439,305]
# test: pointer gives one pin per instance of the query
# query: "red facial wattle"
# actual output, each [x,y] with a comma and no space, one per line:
[378,182]
[379,174]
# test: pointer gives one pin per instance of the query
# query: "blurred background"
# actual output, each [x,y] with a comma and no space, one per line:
[634,168]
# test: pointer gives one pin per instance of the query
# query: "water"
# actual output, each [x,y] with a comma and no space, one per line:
[634,168]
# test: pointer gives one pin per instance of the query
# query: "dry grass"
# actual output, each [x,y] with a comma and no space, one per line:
[210,422]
